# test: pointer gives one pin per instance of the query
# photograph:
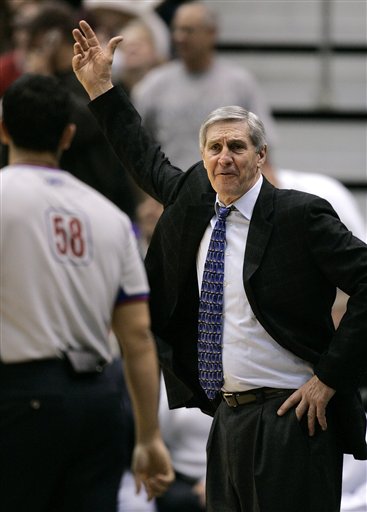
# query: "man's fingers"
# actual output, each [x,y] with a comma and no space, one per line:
[312,398]
[114,42]
[138,483]
[311,417]
[86,39]
[289,403]
[157,485]
[89,34]
[85,36]
[80,40]
[112,45]
[321,416]
[154,486]
[301,410]
[78,51]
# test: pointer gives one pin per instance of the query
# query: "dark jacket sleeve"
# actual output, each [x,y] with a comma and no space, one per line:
[139,155]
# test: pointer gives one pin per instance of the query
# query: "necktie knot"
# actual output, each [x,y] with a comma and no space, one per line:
[223,212]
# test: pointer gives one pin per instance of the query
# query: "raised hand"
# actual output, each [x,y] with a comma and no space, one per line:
[91,63]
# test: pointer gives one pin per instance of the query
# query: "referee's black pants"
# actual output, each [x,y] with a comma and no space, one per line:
[61,438]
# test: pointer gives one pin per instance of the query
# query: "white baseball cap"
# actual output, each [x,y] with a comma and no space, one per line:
[134,7]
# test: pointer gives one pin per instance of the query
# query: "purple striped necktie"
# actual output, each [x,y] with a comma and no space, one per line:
[211,310]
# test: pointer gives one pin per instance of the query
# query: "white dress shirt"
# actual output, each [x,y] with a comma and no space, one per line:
[251,357]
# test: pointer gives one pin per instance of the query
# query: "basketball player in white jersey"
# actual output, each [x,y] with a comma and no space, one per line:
[70,271]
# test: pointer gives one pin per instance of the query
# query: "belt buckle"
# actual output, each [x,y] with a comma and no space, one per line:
[230,398]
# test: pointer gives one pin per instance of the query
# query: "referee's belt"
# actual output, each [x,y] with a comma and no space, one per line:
[258,395]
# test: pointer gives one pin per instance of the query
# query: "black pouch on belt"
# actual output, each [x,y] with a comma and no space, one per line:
[84,361]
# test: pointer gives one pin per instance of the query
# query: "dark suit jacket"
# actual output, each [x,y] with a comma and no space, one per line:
[297,253]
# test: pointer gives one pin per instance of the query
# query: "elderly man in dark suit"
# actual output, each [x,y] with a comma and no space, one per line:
[285,403]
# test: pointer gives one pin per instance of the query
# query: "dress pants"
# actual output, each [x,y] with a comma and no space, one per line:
[260,462]
[61,438]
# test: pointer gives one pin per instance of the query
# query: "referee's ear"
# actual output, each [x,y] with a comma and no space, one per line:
[67,137]
[4,134]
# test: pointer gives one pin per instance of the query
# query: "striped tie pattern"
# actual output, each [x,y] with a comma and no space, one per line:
[211,309]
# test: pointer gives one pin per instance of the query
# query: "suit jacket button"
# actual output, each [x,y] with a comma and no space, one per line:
[35,404]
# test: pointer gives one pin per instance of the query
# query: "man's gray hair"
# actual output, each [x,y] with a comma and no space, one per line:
[235,113]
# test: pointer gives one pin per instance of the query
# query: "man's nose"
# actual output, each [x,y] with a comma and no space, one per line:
[225,157]
[179,35]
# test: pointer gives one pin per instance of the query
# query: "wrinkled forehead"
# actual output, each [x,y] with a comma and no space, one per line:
[231,129]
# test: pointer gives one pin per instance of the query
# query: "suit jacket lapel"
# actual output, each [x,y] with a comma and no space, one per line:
[259,230]
[197,218]
[196,221]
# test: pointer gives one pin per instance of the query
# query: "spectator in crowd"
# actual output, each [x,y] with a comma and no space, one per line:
[341,199]
[90,158]
[185,433]
[13,59]
[142,51]
[5,27]
[167,8]
[65,280]
[145,33]
[281,382]
[129,500]
[109,16]
[173,99]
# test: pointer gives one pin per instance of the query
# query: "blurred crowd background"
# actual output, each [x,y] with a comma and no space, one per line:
[300,65]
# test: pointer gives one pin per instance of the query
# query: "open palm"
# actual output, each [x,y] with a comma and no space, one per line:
[91,63]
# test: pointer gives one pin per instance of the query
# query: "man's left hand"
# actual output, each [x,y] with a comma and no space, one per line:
[311,398]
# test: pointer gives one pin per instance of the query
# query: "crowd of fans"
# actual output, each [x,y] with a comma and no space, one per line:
[168,79]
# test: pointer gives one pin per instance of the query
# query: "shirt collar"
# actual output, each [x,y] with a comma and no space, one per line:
[246,203]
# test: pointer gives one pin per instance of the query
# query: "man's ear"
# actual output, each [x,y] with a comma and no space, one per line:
[202,158]
[262,155]
[4,134]
[67,137]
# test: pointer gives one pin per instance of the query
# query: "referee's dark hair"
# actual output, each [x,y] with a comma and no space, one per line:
[36,111]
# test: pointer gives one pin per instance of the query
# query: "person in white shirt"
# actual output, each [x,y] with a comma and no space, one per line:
[175,97]
[70,271]
[331,189]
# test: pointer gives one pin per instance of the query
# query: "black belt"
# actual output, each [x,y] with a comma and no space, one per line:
[258,395]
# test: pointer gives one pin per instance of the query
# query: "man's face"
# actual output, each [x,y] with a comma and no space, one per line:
[231,160]
[191,35]
[138,49]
